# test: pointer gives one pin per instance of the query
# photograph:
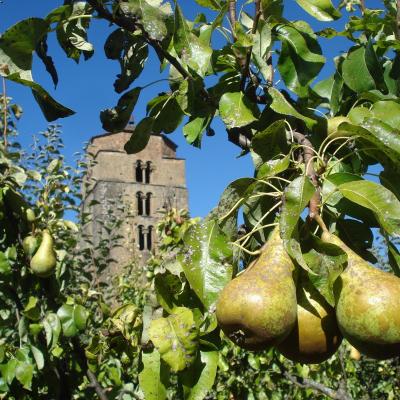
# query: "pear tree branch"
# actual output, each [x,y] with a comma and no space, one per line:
[308,154]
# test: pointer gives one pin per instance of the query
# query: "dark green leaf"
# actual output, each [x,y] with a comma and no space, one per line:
[115,119]
[140,137]
[73,319]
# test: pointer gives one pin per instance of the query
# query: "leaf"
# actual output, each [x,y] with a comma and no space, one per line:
[115,119]
[198,380]
[394,257]
[166,112]
[362,81]
[41,51]
[322,10]
[193,52]
[38,356]
[140,137]
[282,106]
[24,374]
[271,141]
[327,262]
[73,319]
[236,110]
[297,195]
[272,8]
[5,267]
[194,129]
[32,309]
[205,260]
[131,51]
[152,379]
[176,338]
[378,199]
[211,4]
[273,167]
[152,15]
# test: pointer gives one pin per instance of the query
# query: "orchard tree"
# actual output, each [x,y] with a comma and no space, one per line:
[326,156]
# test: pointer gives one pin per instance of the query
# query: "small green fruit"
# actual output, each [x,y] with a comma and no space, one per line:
[30,215]
[30,244]
[43,263]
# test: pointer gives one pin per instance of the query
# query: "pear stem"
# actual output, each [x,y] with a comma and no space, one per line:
[321,223]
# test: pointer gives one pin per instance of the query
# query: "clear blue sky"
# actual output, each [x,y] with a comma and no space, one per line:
[88,87]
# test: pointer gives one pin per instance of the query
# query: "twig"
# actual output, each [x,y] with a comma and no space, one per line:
[339,394]
[232,16]
[5,112]
[96,385]
[397,31]
[308,150]
[363,6]
[246,67]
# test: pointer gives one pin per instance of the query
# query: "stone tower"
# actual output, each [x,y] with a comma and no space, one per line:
[146,183]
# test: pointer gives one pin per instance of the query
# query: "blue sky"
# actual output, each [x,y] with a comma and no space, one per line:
[87,88]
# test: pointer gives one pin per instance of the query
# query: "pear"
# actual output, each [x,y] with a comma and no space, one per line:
[43,263]
[367,305]
[257,309]
[316,336]
[30,244]
[333,130]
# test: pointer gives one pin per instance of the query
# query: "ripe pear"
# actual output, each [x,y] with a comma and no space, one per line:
[257,309]
[30,244]
[43,263]
[367,305]
[316,336]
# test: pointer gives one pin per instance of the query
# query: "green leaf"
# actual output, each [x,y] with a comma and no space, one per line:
[52,325]
[5,267]
[236,110]
[152,379]
[322,10]
[261,47]
[73,319]
[282,106]
[131,51]
[378,199]
[194,129]
[166,112]
[271,141]
[272,9]
[394,257]
[38,356]
[152,14]
[193,52]
[198,380]
[32,309]
[115,119]
[327,262]
[297,195]
[362,81]
[140,137]
[211,4]
[273,167]
[176,338]
[24,374]
[205,260]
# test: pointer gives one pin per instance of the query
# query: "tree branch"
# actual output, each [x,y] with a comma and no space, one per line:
[397,30]
[232,16]
[339,394]
[96,385]
[308,152]
[246,67]
[363,6]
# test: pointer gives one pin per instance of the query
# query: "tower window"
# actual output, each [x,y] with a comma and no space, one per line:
[139,199]
[150,238]
[139,171]
[141,237]
[148,171]
[148,203]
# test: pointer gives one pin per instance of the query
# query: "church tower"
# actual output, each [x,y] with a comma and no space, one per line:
[145,183]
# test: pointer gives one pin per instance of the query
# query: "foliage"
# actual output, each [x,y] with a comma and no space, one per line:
[312,172]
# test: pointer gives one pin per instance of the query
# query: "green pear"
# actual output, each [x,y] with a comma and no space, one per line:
[257,309]
[43,263]
[30,244]
[316,336]
[367,305]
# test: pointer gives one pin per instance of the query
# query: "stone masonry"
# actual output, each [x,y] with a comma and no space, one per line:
[146,183]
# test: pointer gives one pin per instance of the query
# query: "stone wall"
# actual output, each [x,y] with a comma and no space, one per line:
[144,183]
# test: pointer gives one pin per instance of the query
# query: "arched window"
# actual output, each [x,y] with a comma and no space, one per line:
[150,238]
[141,237]
[139,199]
[148,203]
[148,171]
[139,171]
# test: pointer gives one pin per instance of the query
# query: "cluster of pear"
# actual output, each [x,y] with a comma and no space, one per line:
[262,307]
[43,259]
